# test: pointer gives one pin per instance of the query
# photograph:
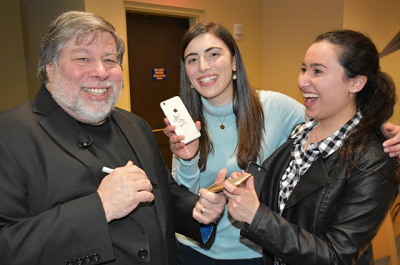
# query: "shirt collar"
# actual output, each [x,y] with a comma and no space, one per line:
[330,144]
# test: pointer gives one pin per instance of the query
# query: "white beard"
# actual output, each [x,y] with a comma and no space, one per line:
[71,101]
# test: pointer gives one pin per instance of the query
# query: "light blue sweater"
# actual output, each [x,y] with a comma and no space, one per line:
[281,113]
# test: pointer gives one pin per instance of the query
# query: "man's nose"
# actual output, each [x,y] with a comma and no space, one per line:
[99,70]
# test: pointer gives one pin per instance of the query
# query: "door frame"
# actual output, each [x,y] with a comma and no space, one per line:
[194,15]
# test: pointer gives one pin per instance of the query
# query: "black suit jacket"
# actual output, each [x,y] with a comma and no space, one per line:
[50,212]
[330,217]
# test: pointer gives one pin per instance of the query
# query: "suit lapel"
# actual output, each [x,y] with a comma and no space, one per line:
[58,124]
[129,130]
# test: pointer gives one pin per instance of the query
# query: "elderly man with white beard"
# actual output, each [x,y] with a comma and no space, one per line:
[57,205]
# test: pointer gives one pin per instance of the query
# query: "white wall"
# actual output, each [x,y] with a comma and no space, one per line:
[288,29]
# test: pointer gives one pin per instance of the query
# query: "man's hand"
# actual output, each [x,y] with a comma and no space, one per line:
[210,205]
[123,190]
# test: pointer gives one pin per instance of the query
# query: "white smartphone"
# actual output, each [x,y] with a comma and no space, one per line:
[177,114]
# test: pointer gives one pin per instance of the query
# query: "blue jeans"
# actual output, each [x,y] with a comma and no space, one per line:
[189,256]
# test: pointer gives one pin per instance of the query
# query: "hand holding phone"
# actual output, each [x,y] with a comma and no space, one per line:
[177,114]
[217,187]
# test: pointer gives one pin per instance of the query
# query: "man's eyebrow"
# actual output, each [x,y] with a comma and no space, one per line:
[76,50]
[111,53]
[83,50]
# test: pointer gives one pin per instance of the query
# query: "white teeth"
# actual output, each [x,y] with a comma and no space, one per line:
[208,79]
[310,95]
[95,91]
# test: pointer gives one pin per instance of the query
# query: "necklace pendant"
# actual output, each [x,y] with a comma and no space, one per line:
[222,122]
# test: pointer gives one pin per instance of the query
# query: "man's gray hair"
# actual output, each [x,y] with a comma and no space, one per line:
[77,25]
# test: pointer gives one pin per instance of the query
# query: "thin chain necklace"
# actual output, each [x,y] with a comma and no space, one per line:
[316,137]
[222,122]
[315,132]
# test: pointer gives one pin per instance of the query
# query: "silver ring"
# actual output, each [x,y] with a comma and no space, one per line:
[203,210]
[171,144]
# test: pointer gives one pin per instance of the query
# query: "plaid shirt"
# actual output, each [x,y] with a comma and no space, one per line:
[301,161]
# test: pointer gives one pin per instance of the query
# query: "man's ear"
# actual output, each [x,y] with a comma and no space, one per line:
[49,69]
[358,83]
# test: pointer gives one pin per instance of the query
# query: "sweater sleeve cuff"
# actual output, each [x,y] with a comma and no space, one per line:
[189,166]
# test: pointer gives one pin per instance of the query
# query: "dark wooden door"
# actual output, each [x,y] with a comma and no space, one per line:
[154,43]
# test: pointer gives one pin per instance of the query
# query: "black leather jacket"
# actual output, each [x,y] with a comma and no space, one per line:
[329,218]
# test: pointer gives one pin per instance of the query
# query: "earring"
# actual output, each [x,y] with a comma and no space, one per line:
[234,77]
[191,86]
[354,90]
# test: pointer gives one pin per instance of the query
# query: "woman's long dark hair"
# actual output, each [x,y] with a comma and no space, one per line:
[246,103]
[358,56]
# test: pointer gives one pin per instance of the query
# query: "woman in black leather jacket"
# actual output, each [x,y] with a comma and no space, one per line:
[324,193]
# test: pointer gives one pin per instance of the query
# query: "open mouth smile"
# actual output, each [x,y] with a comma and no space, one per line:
[95,91]
[207,79]
[309,97]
